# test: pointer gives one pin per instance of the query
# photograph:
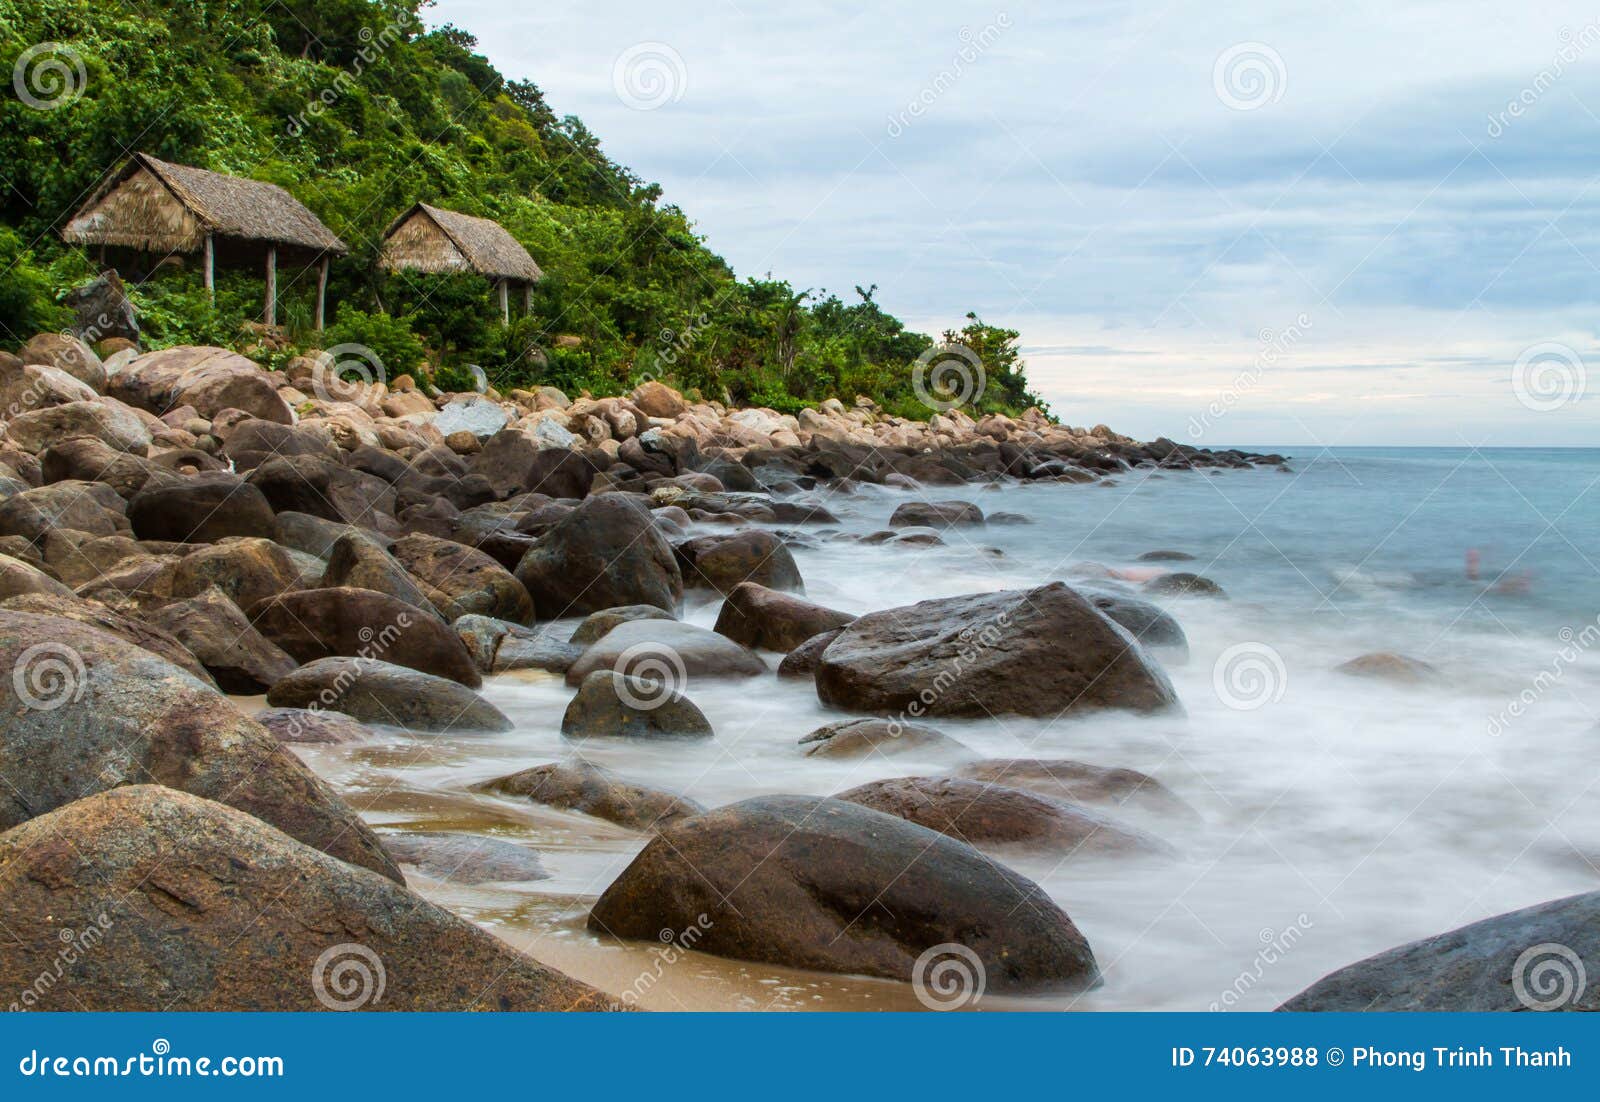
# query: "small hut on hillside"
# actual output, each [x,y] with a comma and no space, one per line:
[428,239]
[154,206]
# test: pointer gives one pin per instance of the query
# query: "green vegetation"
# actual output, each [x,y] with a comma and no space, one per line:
[358,110]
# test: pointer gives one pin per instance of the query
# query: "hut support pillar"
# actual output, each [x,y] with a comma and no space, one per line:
[505,301]
[272,285]
[527,299]
[322,288]
[211,269]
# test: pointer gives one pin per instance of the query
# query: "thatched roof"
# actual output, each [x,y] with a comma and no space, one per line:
[429,239]
[159,206]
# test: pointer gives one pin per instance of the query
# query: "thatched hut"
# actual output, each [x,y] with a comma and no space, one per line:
[154,206]
[428,239]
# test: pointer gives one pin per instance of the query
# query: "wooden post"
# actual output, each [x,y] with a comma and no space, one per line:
[272,285]
[505,301]
[322,288]
[527,299]
[211,277]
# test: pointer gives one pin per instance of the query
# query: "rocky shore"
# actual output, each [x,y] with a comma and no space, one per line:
[179,529]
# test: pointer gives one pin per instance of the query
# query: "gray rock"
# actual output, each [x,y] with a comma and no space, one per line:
[681,651]
[857,738]
[465,858]
[611,705]
[604,554]
[312,726]
[382,693]
[473,413]
[596,624]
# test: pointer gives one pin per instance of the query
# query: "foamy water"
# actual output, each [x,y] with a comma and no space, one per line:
[1341,816]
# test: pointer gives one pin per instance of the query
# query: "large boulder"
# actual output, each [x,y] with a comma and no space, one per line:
[18,578]
[605,553]
[595,791]
[90,459]
[657,399]
[1082,783]
[363,623]
[808,882]
[935,514]
[465,858]
[86,712]
[156,640]
[992,815]
[768,620]
[1148,623]
[800,664]
[320,486]
[516,462]
[214,630]
[359,561]
[857,738]
[203,508]
[193,906]
[209,379]
[1532,959]
[596,624]
[113,424]
[614,705]
[666,650]
[35,386]
[90,507]
[313,726]
[66,353]
[462,580]
[247,571]
[1037,652]
[723,563]
[383,693]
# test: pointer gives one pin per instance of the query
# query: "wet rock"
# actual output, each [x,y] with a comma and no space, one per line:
[1151,625]
[465,858]
[382,693]
[935,514]
[1166,556]
[666,648]
[515,462]
[461,580]
[203,508]
[763,618]
[214,630]
[991,815]
[807,882]
[595,791]
[1388,666]
[312,726]
[247,571]
[604,554]
[1038,652]
[596,624]
[858,738]
[725,562]
[613,705]
[1081,783]
[1537,953]
[525,649]
[1182,584]
[363,623]
[170,880]
[87,712]
[800,664]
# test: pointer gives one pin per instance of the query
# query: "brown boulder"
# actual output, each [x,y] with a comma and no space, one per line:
[725,562]
[461,580]
[363,623]
[202,508]
[595,791]
[768,620]
[215,631]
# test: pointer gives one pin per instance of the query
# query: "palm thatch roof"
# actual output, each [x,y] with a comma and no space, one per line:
[158,206]
[430,239]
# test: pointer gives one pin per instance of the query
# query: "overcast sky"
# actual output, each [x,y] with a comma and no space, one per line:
[1252,223]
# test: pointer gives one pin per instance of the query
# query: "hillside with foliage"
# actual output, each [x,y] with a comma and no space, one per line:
[359,110]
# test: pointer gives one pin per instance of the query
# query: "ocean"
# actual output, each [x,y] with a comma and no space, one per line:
[1338,816]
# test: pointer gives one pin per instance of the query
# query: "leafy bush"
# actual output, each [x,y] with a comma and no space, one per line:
[27,298]
[389,338]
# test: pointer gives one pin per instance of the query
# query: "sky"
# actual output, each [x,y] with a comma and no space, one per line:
[1226,223]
